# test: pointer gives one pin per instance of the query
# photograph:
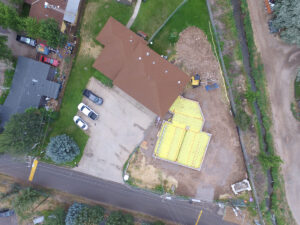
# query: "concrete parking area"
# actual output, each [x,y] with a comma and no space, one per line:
[118,131]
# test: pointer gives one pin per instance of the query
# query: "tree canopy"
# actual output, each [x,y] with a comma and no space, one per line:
[62,149]
[5,52]
[9,17]
[22,132]
[287,20]
[119,218]
[47,30]
[81,214]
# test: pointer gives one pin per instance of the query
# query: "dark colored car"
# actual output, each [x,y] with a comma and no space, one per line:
[94,98]
[26,40]
[6,212]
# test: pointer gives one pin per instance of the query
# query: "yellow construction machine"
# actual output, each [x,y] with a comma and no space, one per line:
[196,81]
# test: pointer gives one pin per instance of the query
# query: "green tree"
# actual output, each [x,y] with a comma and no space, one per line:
[81,214]
[62,149]
[50,31]
[286,19]
[119,218]
[55,217]
[22,132]
[9,17]
[24,201]
[31,26]
[5,52]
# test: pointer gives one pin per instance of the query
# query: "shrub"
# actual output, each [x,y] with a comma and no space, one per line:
[269,161]
[81,214]
[55,217]
[242,119]
[62,149]
[119,218]
[24,201]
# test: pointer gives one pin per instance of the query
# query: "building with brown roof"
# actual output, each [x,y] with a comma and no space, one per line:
[60,10]
[137,69]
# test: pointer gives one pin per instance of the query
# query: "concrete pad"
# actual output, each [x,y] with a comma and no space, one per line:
[206,193]
[118,131]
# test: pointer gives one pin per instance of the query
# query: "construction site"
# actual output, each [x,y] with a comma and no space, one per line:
[175,117]
[194,149]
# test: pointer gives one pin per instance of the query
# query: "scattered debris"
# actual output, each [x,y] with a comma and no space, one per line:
[244,185]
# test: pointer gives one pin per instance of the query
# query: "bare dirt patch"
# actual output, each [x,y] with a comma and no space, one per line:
[195,54]
[88,46]
[147,176]
[223,164]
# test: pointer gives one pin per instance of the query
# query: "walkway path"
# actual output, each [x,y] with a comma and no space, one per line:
[135,13]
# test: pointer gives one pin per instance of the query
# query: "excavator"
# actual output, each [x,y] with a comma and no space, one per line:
[196,81]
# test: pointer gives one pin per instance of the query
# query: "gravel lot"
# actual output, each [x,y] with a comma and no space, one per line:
[119,129]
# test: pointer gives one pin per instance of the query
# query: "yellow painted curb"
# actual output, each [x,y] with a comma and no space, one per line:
[33,169]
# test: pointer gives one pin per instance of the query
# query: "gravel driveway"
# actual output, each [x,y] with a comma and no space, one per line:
[119,129]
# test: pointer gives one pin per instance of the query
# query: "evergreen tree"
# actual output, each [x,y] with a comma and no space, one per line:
[81,214]
[62,149]
[287,20]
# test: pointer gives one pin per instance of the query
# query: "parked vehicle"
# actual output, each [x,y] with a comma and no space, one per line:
[80,122]
[26,40]
[142,34]
[6,212]
[94,98]
[41,48]
[87,111]
[52,62]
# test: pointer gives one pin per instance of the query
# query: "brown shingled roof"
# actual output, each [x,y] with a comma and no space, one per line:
[137,69]
[39,11]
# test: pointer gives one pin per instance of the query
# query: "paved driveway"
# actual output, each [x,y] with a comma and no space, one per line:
[119,129]
[17,48]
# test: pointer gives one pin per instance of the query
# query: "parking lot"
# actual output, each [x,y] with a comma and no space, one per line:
[118,131]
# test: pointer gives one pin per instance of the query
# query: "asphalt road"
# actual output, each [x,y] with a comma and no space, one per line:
[66,180]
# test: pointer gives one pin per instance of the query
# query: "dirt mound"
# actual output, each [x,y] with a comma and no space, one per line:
[194,53]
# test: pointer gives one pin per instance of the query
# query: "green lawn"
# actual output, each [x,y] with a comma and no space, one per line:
[96,18]
[8,78]
[82,70]
[193,13]
[152,14]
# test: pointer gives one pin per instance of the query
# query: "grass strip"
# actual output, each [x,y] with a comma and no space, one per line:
[8,78]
